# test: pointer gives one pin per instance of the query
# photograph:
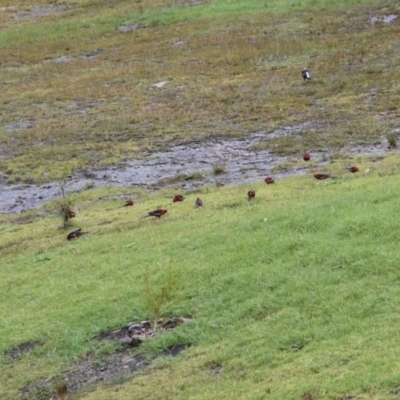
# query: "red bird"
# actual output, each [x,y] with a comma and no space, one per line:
[268,180]
[353,169]
[156,213]
[75,234]
[306,156]
[128,203]
[70,213]
[322,176]
[198,203]
[178,197]
[251,193]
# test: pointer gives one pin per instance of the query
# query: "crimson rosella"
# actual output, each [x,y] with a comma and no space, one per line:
[323,176]
[353,169]
[178,197]
[75,234]
[156,213]
[268,180]
[128,203]
[251,193]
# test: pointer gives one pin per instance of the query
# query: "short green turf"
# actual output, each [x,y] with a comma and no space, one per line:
[293,293]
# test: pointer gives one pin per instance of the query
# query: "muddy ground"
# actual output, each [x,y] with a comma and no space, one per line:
[186,166]
[113,368]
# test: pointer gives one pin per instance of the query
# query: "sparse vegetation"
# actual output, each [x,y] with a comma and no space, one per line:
[65,211]
[232,69]
[392,139]
[157,296]
[291,296]
[221,166]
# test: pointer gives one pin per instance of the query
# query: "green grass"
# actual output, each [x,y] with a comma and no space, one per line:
[292,293]
[153,14]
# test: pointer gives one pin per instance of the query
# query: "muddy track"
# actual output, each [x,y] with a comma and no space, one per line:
[186,166]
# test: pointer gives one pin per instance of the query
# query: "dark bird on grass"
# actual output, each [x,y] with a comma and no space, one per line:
[268,180]
[306,74]
[128,203]
[353,169]
[67,212]
[251,193]
[198,203]
[306,156]
[156,213]
[177,198]
[75,234]
[70,213]
[321,177]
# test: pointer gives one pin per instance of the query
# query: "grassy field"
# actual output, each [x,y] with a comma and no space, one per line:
[233,68]
[292,295]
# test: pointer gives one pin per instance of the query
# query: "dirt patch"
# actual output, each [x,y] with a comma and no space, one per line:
[17,352]
[134,334]
[186,166]
[115,367]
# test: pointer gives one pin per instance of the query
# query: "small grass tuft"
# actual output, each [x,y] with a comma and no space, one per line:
[222,166]
[392,140]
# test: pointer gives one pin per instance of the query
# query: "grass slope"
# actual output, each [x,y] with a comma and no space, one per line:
[292,295]
[233,68]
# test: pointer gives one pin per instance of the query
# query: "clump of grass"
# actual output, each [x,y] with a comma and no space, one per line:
[158,294]
[65,211]
[219,169]
[288,165]
[222,166]
[182,177]
[392,140]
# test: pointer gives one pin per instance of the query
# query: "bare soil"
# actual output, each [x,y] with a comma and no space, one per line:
[17,352]
[115,368]
[112,368]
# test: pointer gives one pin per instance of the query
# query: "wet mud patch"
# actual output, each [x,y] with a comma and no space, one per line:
[189,166]
[113,368]
[86,374]
[15,353]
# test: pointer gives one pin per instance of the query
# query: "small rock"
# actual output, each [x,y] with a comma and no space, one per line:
[387,19]
[128,28]
[130,341]
[160,85]
[59,60]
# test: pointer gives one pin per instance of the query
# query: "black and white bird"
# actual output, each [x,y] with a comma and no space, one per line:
[306,74]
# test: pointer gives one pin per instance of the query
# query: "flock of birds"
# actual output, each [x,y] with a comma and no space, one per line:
[158,213]
[251,194]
